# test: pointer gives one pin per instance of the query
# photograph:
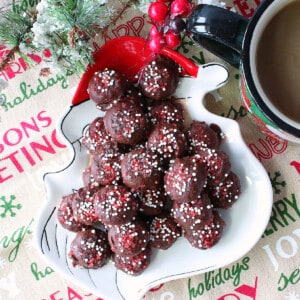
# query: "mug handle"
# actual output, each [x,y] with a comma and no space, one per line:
[218,30]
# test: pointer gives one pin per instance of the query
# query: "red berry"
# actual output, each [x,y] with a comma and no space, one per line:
[172,39]
[155,44]
[181,8]
[153,32]
[158,11]
[47,53]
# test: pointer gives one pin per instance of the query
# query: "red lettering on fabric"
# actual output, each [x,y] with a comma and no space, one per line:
[296,165]
[266,148]
[133,26]
[244,8]
[17,67]
[69,294]
[244,290]
[23,145]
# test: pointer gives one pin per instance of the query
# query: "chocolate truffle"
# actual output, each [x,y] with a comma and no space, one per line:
[159,79]
[130,95]
[89,180]
[217,129]
[141,169]
[193,215]
[106,86]
[65,214]
[97,138]
[209,235]
[185,179]
[115,204]
[106,167]
[128,239]
[167,112]
[126,123]
[217,163]
[152,201]
[167,141]
[83,207]
[226,193]
[201,136]
[135,96]
[133,265]
[90,249]
[164,231]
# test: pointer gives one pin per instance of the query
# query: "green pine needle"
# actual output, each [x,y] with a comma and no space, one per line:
[63,27]
[15,28]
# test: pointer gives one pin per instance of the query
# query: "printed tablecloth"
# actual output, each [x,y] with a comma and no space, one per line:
[30,146]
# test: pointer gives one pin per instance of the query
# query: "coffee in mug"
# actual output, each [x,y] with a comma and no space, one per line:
[266,49]
[278,62]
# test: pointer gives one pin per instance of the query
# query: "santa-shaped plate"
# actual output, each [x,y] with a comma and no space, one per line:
[246,220]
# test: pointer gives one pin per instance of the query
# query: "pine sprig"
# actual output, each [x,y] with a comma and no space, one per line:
[15,27]
[64,28]
[15,30]
[84,15]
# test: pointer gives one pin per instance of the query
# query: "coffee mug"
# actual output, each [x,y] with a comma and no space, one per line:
[266,49]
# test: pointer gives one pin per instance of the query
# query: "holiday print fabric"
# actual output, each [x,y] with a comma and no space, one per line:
[31,106]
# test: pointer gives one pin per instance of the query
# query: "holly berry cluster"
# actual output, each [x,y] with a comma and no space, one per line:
[167,19]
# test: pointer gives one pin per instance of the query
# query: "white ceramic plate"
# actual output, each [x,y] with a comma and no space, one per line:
[246,220]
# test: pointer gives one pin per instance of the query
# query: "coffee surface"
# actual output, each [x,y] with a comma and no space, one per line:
[278,61]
